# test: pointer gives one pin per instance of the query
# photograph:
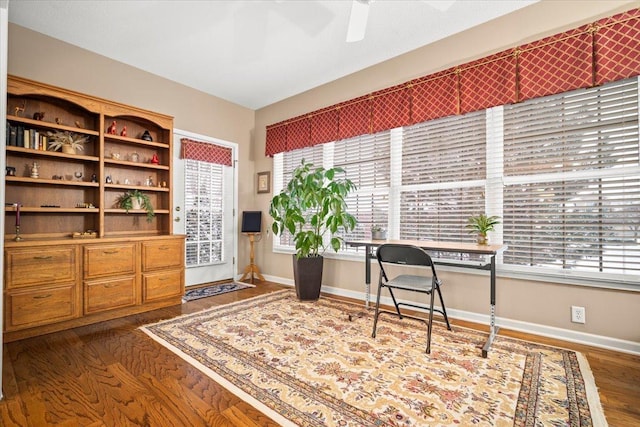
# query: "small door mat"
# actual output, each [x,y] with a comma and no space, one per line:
[217,289]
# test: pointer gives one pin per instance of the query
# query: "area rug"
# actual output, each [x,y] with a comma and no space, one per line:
[307,364]
[217,289]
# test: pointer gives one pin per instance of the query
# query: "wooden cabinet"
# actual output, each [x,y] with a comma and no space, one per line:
[80,257]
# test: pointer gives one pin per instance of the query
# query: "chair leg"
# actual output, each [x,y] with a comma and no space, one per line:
[444,310]
[393,297]
[375,316]
[430,324]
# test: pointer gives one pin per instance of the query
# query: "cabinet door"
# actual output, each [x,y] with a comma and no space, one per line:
[161,285]
[41,306]
[109,260]
[162,254]
[109,294]
[40,265]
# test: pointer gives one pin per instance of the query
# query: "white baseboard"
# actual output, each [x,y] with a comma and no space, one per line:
[599,341]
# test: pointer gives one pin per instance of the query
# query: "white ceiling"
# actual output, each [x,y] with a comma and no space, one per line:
[252,53]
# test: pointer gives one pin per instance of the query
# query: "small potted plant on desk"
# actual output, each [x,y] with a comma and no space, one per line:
[481,225]
[311,206]
[135,200]
[378,233]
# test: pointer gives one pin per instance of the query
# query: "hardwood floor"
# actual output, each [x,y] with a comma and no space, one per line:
[111,374]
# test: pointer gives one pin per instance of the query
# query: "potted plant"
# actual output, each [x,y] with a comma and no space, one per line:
[378,233]
[310,207]
[67,142]
[135,200]
[481,225]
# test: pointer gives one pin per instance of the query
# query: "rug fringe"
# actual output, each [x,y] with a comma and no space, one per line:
[595,405]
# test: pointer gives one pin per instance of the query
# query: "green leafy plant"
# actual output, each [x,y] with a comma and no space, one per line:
[312,205]
[125,201]
[59,139]
[481,225]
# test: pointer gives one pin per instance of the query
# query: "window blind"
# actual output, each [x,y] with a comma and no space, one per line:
[203,213]
[572,180]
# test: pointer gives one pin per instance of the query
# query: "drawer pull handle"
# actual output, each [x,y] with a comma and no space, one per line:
[164,279]
[42,296]
[163,248]
[110,252]
[110,285]
[43,257]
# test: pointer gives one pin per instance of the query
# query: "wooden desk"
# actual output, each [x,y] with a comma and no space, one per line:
[454,247]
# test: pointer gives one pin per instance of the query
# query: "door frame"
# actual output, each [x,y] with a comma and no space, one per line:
[234,161]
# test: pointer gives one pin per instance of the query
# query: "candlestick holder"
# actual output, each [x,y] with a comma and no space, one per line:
[17,238]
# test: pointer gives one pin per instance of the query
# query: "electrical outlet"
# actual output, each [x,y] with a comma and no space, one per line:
[578,314]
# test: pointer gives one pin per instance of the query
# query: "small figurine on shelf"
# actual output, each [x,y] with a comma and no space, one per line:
[124,131]
[146,136]
[108,180]
[155,159]
[135,157]
[112,129]
[34,171]
[94,178]
[38,115]
[149,181]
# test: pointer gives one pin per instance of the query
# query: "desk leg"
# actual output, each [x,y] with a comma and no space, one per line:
[493,329]
[367,275]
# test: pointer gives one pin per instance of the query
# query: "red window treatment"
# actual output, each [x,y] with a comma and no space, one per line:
[488,82]
[434,96]
[390,108]
[604,51]
[205,152]
[556,64]
[354,117]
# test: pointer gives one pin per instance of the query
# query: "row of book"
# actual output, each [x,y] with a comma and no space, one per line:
[19,136]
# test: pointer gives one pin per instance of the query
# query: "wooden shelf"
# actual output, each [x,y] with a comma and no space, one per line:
[62,182]
[53,154]
[135,141]
[127,163]
[50,125]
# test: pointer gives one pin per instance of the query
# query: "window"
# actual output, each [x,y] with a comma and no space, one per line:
[203,213]
[563,173]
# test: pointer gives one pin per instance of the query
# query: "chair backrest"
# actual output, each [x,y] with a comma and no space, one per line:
[393,253]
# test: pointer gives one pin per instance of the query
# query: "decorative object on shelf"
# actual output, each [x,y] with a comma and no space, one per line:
[57,177]
[135,157]
[146,136]
[149,181]
[378,233]
[164,184]
[85,205]
[94,177]
[19,110]
[38,115]
[78,124]
[34,170]
[112,128]
[264,182]
[66,141]
[89,234]
[135,200]
[481,225]
[123,132]
[108,180]
[115,156]
[10,171]
[57,120]
[78,175]
[154,159]
[17,238]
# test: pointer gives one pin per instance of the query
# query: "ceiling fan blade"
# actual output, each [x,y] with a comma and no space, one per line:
[358,20]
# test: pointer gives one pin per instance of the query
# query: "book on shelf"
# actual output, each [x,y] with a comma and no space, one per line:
[19,136]
[27,138]
[13,135]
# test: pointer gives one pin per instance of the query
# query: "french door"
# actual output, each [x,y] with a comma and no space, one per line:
[204,200]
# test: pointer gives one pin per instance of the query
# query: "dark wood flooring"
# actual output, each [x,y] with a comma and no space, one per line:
[111,374]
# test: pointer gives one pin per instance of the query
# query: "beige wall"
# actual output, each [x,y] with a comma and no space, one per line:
[37,57]
[609,313]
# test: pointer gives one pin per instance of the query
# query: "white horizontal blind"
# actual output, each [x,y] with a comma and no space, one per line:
[572,180]
[366,159]
[290,161]
[443,177]
[203,213]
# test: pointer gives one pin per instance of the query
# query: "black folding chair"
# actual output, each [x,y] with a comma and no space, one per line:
[429,283]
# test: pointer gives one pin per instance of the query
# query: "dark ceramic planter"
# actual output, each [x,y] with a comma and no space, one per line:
[307,274]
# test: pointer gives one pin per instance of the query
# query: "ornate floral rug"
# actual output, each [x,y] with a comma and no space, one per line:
[307,364]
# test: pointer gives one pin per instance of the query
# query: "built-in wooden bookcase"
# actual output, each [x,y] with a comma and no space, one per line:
[57,203]
[81,258]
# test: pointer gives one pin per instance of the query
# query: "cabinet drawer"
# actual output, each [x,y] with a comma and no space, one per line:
[109,260]
[25,309]
[109,294]
[45,265]
[162,254]
[164,284]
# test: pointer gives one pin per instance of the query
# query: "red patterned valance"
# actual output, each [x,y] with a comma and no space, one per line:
[205,152]
[604,51]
